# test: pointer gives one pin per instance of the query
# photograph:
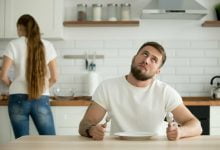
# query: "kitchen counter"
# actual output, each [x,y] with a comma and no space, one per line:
[189,101]
[201,101]
[111,142]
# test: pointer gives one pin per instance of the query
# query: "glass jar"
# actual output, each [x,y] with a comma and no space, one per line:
[81,12]
[97,12]
[112,12]
[126,11]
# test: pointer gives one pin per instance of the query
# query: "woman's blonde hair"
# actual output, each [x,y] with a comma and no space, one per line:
[35,61]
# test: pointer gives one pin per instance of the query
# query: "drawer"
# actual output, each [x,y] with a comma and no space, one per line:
[215,131]
[214,116]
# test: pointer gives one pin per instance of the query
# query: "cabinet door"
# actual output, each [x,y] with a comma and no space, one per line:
[2,20]
[215,120]
[68,119]
[5,126]
[48,14]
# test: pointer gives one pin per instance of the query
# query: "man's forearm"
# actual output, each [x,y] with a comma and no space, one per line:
[191,128]
[84,128]
[94,114]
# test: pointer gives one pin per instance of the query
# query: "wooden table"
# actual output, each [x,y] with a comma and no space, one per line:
[111,143]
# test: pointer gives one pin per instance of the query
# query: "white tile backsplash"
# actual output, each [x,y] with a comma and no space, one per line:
[204,44]
[189,53]
[212,70]
[190,70]
[203,62]
[193,52]
[175,79]
[118,44]
[89,44]
[215,53]
[177,62]
[176,44]
[189,67]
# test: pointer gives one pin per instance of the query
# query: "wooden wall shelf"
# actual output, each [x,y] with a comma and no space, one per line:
[83,56]
[100,23]
[211,23]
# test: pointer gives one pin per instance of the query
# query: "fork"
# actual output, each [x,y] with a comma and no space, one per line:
[107,119]
[169,117]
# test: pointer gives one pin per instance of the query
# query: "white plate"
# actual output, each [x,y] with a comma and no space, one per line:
[134,135]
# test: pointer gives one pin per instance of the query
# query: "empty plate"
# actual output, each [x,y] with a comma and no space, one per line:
[134,135]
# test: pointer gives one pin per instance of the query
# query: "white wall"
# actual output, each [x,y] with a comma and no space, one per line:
[193,51]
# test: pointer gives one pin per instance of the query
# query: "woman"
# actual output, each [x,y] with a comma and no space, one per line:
[35,72]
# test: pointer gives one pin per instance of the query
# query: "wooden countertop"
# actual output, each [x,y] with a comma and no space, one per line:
[189,101]
[111,143]
[201,101]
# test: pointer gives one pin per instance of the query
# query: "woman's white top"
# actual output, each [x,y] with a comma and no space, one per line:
[17,51]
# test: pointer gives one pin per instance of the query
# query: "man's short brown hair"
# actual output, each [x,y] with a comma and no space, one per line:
[158,47]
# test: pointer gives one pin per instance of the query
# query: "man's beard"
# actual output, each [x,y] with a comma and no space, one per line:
[139,75]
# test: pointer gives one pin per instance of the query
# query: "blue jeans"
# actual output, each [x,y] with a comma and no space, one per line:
[20,108]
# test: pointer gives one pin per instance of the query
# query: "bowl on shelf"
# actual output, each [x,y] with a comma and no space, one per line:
[63,93]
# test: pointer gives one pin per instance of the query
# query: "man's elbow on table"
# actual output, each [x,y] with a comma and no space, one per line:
[191,128]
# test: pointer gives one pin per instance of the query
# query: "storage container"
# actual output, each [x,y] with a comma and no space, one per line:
[97,12]
[126,11]
[81,12]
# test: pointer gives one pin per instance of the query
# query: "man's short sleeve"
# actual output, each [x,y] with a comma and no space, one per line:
[173,99]
[100,96]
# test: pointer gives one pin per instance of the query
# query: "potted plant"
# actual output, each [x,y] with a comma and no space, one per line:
[217,9]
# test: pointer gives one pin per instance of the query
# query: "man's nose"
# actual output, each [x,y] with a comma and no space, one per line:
[147,60]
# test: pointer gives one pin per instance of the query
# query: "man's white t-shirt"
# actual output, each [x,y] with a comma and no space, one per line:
[17,51]
[136,108]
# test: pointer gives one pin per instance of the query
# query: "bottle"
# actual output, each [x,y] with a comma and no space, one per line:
[126,11]
[97,12]
[112,12]
[81,12]
[93,81]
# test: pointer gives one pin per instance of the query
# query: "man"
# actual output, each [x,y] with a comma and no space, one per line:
[139,102]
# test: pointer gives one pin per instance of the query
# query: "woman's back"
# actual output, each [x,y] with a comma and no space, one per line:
[35,71]
[17,51]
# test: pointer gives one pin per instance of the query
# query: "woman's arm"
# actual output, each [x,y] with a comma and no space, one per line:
[7,62]
[53,72]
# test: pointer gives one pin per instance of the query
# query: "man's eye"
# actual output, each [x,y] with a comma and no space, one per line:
[145,54]
[154,60]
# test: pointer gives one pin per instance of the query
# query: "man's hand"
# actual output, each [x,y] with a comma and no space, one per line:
[97,132]
[173,131]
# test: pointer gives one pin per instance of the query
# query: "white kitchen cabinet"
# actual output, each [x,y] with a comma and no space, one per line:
[49,15]
[67,119]
[214,120]
[6,132]
[2,18]
[5,126]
